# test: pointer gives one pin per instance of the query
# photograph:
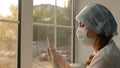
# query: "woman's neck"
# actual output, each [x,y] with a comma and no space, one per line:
[96,45]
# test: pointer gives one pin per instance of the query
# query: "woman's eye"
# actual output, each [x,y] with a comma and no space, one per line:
[81,24]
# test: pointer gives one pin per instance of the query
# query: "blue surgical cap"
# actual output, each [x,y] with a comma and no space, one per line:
[99,19]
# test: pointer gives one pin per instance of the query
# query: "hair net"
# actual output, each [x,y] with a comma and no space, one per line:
[98,18]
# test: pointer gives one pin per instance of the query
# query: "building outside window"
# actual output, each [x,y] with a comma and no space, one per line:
[8,33]
[53,19]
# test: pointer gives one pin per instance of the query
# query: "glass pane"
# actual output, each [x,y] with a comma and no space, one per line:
[9,9]
[8,44]
[44,11]
[40,33]
[64,12]
[64,42]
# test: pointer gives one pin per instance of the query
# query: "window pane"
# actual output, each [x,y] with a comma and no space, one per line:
[51,18]
[44,11]
[40,59]
[9,9]
[8,44]
[64,12]
[64,42]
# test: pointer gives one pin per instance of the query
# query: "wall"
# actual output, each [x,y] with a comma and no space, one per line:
[113,5]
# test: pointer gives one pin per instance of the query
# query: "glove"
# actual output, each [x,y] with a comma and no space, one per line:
[55,58]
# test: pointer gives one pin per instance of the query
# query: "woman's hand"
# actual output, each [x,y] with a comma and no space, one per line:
[55,58]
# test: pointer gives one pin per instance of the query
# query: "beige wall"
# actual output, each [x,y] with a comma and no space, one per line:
[113,5]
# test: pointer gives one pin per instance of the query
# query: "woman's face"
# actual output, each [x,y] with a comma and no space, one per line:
[90,34]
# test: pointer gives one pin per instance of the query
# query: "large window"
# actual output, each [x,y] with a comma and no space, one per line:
[8,33]
[53,19]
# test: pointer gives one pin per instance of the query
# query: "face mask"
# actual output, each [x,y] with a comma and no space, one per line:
[83,38]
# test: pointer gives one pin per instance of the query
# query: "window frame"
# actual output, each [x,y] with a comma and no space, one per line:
[73,27]
[26,33]
[18,39]
[19,34]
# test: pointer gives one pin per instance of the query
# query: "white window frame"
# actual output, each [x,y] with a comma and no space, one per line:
[17,50]
[26,33]
[72,27]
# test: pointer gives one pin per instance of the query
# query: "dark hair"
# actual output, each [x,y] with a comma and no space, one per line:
[104,40]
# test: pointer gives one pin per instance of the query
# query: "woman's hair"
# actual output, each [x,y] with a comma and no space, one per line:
[104,40]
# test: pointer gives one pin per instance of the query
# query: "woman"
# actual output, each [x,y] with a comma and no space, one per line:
[96,28]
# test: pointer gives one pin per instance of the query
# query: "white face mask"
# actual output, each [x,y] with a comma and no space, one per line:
[83,38]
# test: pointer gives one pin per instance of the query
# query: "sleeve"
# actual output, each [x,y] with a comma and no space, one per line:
[100,61]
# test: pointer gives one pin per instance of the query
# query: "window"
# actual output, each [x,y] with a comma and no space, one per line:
[8,33]
[53,19]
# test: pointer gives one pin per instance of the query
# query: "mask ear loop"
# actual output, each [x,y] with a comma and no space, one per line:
[87,33]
